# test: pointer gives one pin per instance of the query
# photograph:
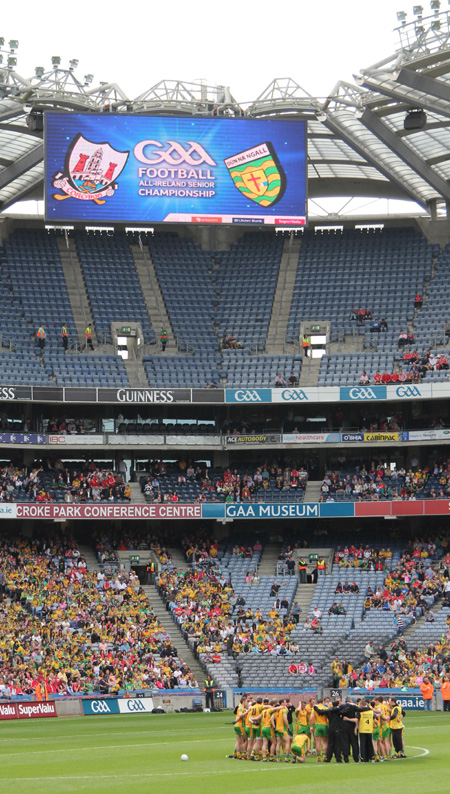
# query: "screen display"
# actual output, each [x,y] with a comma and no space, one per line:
[142,169]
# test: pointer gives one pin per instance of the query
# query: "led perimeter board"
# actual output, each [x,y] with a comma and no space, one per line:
[154,169]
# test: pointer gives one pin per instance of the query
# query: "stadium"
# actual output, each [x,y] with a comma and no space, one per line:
[224,422]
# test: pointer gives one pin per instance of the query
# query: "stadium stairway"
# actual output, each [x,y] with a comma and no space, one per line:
[136,373]
[276,335]
[309,373]
[269,558]
[137,497]
[172,629]
[91,558]
[314,490]
[152,294]
[178,558]
[76,288]
[409,633]
[303,597]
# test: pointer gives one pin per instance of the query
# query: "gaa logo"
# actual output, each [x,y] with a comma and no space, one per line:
[362,394]
[247,396]
[408,391]
[135,705]
[175,155]
[100,707]
[294,395]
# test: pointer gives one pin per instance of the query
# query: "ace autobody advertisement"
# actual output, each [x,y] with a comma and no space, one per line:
[106,167]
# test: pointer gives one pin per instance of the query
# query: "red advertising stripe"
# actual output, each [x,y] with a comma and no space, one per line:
[407,508]
[27,710]
[8,711]
[440,507]
[22,711]
[372,509]
[108,511]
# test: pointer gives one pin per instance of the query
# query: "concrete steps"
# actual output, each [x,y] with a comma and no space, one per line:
[164,617]
[153,298]
[137,497]
[309,375]
[76,288]
[313,490]
[90,557]
[269,559]
[136,374]
[178,558]
[303,597]
[276,335]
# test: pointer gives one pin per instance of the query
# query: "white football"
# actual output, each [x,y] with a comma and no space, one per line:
[184,757]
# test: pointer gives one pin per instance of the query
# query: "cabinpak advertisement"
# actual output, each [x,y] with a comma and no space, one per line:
[141,169]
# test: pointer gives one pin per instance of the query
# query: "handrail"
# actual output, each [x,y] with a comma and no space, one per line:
[75,277]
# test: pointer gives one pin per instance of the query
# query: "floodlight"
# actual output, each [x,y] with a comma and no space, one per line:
[435,5]
[436,24]
[73,64]
[420,29]
[1,58]
[418,11]
[88,78]
[321,115]
[2,41]
[56,60]
[12,61]
[13,44]
[401,16]
[39,71]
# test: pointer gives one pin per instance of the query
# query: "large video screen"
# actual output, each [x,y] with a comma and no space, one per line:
[147,169]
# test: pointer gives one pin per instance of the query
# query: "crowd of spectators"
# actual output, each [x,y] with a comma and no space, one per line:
[412,584]
[48,482]
[364,557]
[67,630]
[400,668]
[218,622]
[377,481]
[163,484]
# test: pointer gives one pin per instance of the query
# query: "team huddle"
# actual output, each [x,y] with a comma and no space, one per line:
[276,730]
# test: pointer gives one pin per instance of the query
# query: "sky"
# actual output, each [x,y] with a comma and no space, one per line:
[236,43]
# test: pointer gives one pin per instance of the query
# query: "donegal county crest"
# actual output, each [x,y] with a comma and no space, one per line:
[257,174]
[90,171]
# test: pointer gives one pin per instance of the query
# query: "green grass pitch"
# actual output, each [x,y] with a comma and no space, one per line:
[119,754]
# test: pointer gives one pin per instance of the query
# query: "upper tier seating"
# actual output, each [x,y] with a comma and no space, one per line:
[112,283]
[380,270]
[246,281]
[34,290]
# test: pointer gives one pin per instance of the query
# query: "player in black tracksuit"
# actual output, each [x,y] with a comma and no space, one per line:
[350,734]
[337,745]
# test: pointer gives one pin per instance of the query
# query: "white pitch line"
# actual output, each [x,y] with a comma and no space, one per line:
[14,739]
[126,775]
[102,747]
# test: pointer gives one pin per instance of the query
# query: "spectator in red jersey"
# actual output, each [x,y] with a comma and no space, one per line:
[418,301]
[386,378]
[377,377]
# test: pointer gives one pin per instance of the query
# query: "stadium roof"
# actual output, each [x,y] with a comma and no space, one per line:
[357,144]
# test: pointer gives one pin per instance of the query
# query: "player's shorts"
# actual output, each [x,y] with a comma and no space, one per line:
[376,735]
[239,731]
[304,730]
[267,733]
[280,734]
[321,730]
[255,731]
[385,732]
[247,731]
